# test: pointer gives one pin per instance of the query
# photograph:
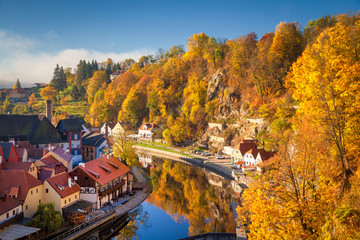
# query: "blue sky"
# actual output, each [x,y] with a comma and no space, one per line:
[35,35]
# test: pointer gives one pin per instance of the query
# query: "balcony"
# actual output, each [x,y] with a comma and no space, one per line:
[111,189]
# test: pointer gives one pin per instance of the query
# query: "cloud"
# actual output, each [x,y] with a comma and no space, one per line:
[19,60]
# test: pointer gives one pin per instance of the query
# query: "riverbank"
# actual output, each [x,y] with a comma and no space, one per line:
[109,213]
[192,159]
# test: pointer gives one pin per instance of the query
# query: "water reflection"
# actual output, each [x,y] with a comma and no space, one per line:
[185,193]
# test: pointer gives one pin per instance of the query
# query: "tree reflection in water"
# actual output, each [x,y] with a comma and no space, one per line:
[139,219]
[184,192]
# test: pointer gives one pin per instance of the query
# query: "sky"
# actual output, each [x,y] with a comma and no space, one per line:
[37,35]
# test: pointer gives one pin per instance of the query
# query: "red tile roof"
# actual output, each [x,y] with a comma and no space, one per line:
[246,146]
[17,178]
[62,153]
[61,186]
[7,204]
[17,166]
[20,151]
[148,126]
[51,162]
[95,169]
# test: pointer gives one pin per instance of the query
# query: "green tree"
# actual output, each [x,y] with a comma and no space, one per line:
[59,79]
[17,84]
[47,218]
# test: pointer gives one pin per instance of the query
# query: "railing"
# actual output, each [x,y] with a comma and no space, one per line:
[111,189]
[83,225]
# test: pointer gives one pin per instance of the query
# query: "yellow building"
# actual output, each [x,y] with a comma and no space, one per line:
[61,190]
[23,187]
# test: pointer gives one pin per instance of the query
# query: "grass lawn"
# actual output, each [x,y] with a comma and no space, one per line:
[162,148]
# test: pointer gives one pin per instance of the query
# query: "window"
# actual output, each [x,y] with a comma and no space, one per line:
[13,212]
[7,215]
[75,196]
[75,136]
[65,201]
[86,178]
[69,200]
[26,207]
[47,190]
[37,191]
[31,192]
[39,201]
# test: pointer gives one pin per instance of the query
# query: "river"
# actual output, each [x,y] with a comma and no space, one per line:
[185,201]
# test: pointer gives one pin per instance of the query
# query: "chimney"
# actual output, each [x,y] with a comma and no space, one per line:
[69,182]
[48,109]
[82,164]
[12,140]
[107,156]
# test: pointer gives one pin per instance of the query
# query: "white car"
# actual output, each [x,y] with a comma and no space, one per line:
[220,157]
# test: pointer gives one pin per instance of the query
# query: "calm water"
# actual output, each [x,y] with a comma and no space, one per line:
[183,203]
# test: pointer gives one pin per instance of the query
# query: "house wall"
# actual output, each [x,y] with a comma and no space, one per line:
[90,197]
[52,196]
[32,200]
[11,213]
[25,156]
[13,156]
[59,202]
[33,170]
[89,153]
[70,199]
[117,130]
[145,133]
[249,159]
[236,156]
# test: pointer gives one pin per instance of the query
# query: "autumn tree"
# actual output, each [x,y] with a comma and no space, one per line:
[124,150]
[324,80]
[285,49]
[32,99]
[96,83]
[49,93]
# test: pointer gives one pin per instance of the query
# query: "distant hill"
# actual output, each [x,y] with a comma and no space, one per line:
[10,84]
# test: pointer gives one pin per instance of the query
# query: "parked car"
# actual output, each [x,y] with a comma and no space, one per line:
[206,154]
[197,151]
[220,157]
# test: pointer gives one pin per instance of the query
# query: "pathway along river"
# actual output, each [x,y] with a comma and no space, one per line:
[185,201]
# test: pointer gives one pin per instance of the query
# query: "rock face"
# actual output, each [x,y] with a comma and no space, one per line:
[215,85]
[226,97]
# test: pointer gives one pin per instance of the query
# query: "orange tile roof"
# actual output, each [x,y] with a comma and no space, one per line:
[17,178]
[60,185]
[95,169]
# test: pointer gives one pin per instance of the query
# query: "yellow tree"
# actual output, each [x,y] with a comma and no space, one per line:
[294,198]
[48,93]
[32,99]
[96,83]
[326,82]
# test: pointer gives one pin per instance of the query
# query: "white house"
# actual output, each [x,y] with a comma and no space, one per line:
[147,129]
